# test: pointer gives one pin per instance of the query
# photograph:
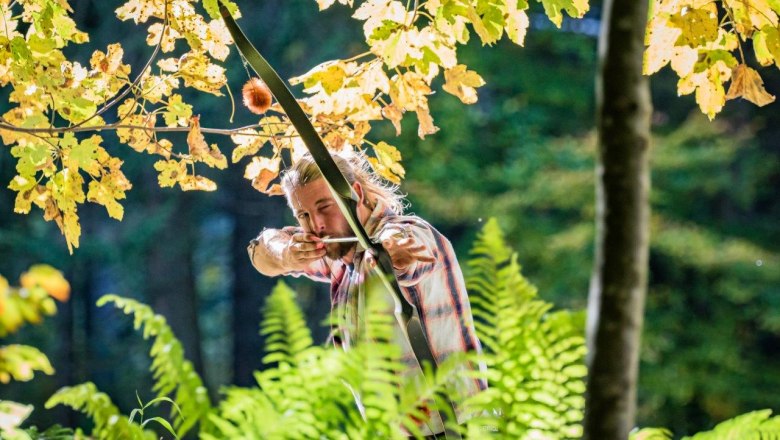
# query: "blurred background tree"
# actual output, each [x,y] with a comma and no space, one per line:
[523,154]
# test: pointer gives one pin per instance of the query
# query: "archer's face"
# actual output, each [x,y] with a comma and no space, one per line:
[316,210]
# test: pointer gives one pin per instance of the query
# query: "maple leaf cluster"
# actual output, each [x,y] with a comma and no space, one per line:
[61,107]
[409,46]
[703,42]
[56,99]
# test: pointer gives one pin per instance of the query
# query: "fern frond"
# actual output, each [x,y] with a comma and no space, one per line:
[650,434]
[302,397]
[170,370]
[109,423]
[756,425]
[20,362]
[535,356]
[287,338]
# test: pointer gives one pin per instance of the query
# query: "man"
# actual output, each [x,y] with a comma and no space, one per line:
[423,260]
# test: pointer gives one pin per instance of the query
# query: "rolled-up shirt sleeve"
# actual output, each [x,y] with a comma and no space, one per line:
[317,271]
[422,235]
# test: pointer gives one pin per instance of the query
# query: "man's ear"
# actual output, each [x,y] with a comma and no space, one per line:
[359,191]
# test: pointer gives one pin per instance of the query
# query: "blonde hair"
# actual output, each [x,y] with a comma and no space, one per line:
[356,168]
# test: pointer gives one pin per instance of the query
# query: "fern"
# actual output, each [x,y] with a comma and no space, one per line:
[535,357]
[307,394]
[287,338]
[109,423]
[19,362]
[170,370]
[756,425]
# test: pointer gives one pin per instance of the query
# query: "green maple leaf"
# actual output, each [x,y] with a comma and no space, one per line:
[699,26]
[212,8]
[766,44]
[20,50]
[83,154]
[553,8]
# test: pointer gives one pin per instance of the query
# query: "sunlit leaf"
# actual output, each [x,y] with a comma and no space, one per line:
[261,171]
[48,278]
[462,82]
[747,83]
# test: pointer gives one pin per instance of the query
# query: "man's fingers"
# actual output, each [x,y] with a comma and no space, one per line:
[308,246]
[303,237]
[313,254]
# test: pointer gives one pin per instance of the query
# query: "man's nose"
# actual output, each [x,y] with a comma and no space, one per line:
[317,224]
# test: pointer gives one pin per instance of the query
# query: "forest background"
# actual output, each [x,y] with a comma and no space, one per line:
[524,153]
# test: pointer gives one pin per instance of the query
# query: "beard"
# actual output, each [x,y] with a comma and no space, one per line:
[335,251]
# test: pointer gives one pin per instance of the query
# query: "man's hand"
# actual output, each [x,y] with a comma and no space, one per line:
[302,250]
[406,251]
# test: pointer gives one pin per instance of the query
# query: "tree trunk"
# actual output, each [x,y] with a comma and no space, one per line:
[171,278]
[619,281]
[251,211]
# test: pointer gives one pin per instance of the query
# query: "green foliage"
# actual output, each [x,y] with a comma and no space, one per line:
[650,434]
[755,425]
[28,303]
[308,393]
[535,357]
[109,423]
[19,362]
[287,338]
[171,371]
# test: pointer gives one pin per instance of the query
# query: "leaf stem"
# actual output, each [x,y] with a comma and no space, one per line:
[358,56]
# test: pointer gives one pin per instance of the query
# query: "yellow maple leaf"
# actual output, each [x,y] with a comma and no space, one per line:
[171,172]
[197,183]
[750,15]
[217,40]
[248,142]
[659,39]
[747,83]
[261,171]
[168,42]
[461,82]
[198,72]
[328,76]
[106,192]
[393,114]
[200,150]
[425,120]
[698,25]
[140,10]
[71,228]
[408,91]
[140,139]
[48,278]
[766,44]
[683,60]
[110,62]
[377,12]
[516,23]
[387,162]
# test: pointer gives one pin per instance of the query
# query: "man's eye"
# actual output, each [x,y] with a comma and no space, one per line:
[302,216]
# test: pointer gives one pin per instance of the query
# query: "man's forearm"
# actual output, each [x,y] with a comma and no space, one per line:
[267,252]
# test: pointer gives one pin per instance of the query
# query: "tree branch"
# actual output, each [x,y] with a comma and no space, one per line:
[4,125]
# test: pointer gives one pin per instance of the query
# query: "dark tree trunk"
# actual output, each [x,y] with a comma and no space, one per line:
[251,212]
[618,286]
[171,278]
